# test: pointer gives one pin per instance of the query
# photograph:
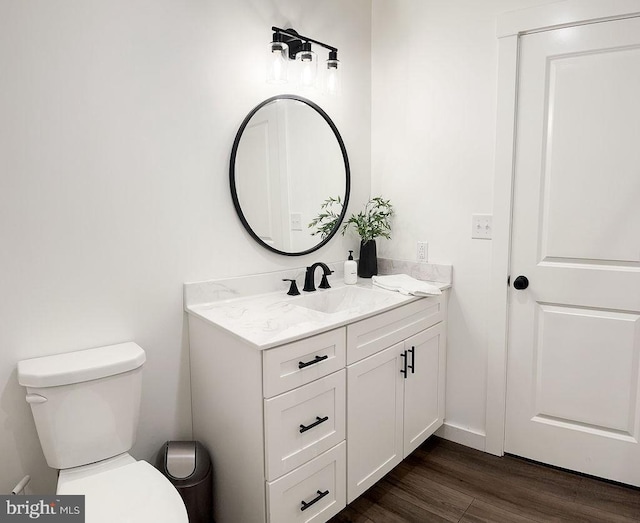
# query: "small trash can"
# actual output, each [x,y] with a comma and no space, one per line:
[188,466]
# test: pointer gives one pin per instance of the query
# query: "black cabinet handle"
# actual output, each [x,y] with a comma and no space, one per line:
[317,359]
[404,364]
[314,424]
[320,495]
[412,350]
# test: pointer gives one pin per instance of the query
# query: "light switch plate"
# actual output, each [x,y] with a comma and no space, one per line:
[482,226]
[296,221]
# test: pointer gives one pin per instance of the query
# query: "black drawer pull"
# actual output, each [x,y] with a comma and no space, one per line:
[314,424]
[317,359]
[320,495]
[412,350]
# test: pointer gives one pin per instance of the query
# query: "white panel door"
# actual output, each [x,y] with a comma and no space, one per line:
[574,333]
[264,186]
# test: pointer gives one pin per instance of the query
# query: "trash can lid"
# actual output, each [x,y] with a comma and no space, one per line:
[185,463]
[181,459]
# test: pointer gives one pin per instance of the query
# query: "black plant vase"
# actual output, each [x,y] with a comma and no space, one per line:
[368,262]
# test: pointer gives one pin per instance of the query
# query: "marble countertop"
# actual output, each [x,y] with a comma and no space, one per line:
[273,318]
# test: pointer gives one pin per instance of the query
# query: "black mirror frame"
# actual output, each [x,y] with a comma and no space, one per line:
[232,181]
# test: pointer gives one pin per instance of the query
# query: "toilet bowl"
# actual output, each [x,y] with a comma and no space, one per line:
[86,406]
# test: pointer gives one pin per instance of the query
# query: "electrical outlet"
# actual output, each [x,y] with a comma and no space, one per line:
[482,226]
[422,252]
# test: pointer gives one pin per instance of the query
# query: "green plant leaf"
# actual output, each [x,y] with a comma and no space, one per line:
[327,219]
[373,221]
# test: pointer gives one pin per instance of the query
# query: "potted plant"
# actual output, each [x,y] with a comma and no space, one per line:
[371,223]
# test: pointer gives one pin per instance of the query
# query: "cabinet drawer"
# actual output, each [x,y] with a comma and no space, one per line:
[303,361]
[303,423]
[319,484]
[369,336]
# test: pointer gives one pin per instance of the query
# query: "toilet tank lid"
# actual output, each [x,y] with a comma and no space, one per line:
[79,366]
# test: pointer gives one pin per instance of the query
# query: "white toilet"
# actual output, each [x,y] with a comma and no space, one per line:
[86,406]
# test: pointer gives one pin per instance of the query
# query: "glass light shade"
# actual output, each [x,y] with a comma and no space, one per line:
[308,65]
[334,77]
[277,70]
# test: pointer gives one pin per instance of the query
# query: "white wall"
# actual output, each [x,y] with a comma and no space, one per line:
[116,124]
[434,65]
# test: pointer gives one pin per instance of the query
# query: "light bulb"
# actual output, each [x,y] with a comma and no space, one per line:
[308,64]
[334,74]
[277,71]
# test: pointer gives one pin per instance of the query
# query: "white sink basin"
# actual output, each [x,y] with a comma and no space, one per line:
[331,301]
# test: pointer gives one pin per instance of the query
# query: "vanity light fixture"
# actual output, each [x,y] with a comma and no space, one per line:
[288,44]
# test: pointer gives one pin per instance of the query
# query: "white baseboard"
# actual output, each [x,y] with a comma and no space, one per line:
[464,436]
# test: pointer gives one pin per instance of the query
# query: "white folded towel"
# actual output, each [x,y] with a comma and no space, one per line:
[405,284]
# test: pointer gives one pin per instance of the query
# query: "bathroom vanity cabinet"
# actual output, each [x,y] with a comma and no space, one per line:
[298,430]
[395,388]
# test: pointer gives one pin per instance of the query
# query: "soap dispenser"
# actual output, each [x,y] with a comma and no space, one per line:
[350,270]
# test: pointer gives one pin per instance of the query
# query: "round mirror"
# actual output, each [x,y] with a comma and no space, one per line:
[289,175]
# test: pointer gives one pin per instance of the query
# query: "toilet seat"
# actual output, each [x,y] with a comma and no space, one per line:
[126,491]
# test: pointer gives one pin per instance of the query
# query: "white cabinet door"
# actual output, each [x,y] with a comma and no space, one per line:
[423,386]
[573,378]
[375,392]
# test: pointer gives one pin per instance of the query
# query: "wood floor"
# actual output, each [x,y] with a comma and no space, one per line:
[444,481]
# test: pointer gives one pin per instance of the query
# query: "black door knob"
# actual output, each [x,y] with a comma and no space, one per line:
[521,282]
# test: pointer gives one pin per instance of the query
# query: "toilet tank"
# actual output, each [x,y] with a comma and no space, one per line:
[85,403]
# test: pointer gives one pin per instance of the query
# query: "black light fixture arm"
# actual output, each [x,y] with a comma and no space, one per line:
[295,42]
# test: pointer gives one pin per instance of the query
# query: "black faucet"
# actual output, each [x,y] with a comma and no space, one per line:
[309,283]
